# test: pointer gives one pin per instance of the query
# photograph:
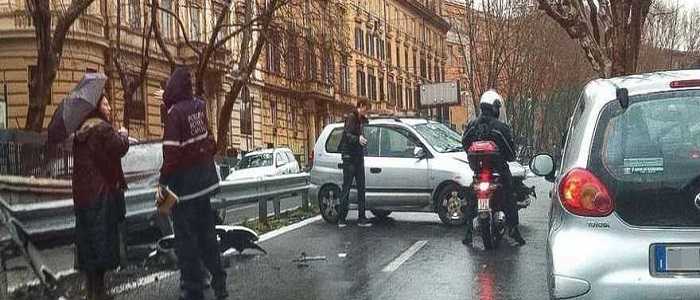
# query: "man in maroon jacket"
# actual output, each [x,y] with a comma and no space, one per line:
[189,173]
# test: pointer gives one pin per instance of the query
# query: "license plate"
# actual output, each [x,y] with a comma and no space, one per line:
[676,258]
[483,204]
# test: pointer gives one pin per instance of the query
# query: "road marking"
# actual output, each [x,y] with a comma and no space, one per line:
[396,263]
[130,286]
[283,230]
[36,282]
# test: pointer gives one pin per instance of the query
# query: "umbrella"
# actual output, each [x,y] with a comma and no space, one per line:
[79,103]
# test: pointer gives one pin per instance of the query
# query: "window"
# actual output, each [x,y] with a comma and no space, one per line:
[415,62]
[396,143]
[388,52]
[399,90]
[381,49]
[281,159]
[430,70]
[405,56]
[423,71]
[437,73]
[372,84]
[137,107]
[333,141]
[382,96]
[246,112]
[409,97]
[392,91]
[344,76]
[361,89]
[359,39]
[328,67]
[371,133]
[398,56]
[310,62]
[195,23]
[370,44]
[273,55]
[135,14]
[292,61]
[166,20]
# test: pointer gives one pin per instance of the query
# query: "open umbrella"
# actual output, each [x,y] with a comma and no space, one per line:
[79,103]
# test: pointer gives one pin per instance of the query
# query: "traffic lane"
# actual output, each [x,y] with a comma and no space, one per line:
[361,263]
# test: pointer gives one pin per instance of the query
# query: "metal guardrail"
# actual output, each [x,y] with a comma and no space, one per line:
[57,217]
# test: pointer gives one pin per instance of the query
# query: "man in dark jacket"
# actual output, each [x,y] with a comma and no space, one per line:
[190,174]
[488,127]
[352,147]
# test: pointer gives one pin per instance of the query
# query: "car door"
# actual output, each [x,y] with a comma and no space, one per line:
[397,177]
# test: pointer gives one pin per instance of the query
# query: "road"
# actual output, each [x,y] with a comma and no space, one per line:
[61,259]
[413,256]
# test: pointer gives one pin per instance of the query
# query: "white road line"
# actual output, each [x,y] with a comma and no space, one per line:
[130,286]
[396,263]
[289,228]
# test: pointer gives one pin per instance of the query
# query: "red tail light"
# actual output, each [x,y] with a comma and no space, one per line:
[482,147]
[583,194]
[685,84]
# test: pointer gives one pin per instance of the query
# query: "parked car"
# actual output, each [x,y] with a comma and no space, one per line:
[265,163]
[625,215]
[411,165]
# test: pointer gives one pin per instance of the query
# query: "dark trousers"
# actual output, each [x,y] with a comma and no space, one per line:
[353,169]
[195,243]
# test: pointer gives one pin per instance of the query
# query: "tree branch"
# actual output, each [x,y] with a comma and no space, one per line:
[182,28]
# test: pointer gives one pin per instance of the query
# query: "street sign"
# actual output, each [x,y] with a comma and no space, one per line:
[439,94]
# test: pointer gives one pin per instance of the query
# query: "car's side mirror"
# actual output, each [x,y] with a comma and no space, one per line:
[543,165]
[419,152]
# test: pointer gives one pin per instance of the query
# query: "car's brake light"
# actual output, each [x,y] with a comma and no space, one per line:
[583,194]
[685,83]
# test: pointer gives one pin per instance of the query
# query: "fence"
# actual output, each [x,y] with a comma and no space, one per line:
[35,159]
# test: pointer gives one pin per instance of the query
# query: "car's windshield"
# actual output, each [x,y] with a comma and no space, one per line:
[441,137]
[255,161]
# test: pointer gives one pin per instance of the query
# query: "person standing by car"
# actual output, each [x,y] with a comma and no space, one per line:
[488,127]
[352,148]
[190,175]
[98,196]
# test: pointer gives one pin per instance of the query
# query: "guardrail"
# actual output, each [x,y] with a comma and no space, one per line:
[56,217]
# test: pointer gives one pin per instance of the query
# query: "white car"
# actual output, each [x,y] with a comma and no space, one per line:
[265,163]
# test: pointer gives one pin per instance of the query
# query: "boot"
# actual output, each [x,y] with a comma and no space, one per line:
[467,241]
[100,287]
[90,286]
[515,235]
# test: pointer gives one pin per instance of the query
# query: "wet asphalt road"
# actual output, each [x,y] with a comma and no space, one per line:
[413,256]
[61,259]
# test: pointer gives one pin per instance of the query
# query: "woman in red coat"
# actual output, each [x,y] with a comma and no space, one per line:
[98,196]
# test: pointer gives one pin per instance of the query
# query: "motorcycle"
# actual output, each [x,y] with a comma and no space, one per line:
[488,193]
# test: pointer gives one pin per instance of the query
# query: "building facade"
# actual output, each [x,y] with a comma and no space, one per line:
[323,57]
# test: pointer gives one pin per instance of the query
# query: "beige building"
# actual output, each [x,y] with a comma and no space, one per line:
[324,57]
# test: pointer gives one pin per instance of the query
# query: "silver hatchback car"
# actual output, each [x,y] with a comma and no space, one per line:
[625,214]
[411,164]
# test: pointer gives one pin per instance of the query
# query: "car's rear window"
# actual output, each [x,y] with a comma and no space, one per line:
[649,157]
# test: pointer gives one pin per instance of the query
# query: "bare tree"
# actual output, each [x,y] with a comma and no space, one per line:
[609,32]
[50,49]
[131,74]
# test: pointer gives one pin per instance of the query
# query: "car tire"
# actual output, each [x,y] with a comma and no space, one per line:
[443,202]
[327,195]
[381,214]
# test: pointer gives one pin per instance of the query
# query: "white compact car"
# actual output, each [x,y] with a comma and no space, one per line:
[265,163]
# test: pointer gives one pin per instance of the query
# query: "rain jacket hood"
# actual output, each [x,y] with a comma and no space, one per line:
[178,88]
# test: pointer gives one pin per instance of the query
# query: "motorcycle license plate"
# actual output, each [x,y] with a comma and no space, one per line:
[676,258]
[483,204]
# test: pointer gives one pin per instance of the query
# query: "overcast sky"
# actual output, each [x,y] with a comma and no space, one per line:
[686,3]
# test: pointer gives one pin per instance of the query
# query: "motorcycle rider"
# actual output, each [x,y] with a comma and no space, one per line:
[488,127]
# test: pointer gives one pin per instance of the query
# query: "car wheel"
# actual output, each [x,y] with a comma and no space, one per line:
[381,214]
[449,205]
[328,203]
